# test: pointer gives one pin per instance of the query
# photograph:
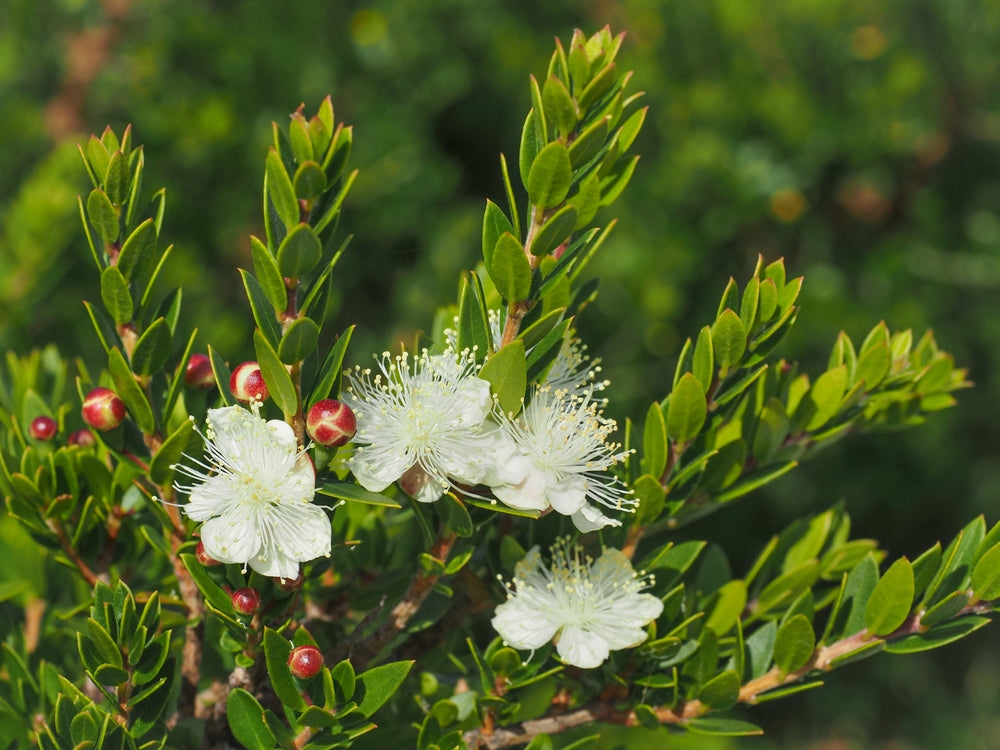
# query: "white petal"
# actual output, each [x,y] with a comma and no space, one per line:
[567,496]
[582,648]
[375,470]
[589,518]
[272,563]
[526,495]
[283,432]
[521,627]
[230,538]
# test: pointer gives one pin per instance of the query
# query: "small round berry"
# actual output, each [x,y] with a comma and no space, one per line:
[331,423]
[83,438]
[206,559]
[246,601]
[103,409]
[247,383]
[305,662]
[43,428]
[198,372]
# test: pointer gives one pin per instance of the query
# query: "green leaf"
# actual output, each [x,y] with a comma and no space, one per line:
[651,496]
[729,339]
[261,308]
[506,373]
[729,602]
[936,637]
[344,680]
[268,276]
[826,395]
[703,360]
[276,377]
[102,215]
[873,365]
[138,252]
[328,382]
[152,349]
[720,726]
[722,691]
[617,180]
[278,187]
[986,575]
[555,231]
[130,392]
[474,331]
[309,181]
[586,200]
[654,441]
[161,467]
[558,105]
[299,341]
[495,224]
[587,145]
[115,295]
[749,303]
[794,644]
[550,176]
[116,178]
[104,643]
[299,252]
[687,410]
[355,494]
[454,515]
[531,144]
[246,720]
[378,684]
[510,270]
[890,601]
[276,652]
[222,374]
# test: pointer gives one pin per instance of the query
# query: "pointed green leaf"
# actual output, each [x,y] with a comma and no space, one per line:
[721,726]
[152,349]
[246,721]
[986,575]
[265,267]
[495,224]
[474,331]
[222,374]
[276,651]
[654,441]
[278,186]
[942,635]
[555,231]
[276,377]
[102,215]
[130,392]
[729,338]
[506,373]
[355,494]
[300,251]
[687,410]
[138,252]
[826,395]
[161,467]
[454,515]
[729,602]
[550,176]
[559,107]
[510,270]
[261,308]
[615,182]
[890,601]
[299,341]
[703,360]
[650,495]
[377,685]
[115,295]
[116,178]
[328,380]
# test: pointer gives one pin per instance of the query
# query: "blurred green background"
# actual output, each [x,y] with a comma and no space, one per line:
[859,140]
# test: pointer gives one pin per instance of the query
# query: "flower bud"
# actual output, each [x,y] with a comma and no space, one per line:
[247,383]
[43,428]
[198,373]
[331,423]
[83,438]
[206,559]
[305,662]
[103,409]
[291,584]
[246,601]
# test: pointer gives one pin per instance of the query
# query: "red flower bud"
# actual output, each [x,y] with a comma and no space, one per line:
[305,662]
[103,409]
[43,428]
[331,423]
[247,383]
[198,373]
[83,438]
[246,601]
[204,558]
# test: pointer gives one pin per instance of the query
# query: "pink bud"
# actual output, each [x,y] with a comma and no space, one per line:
[83,438]
[198,373]
[246,601]
[247,383]
[43,428]
[305,662]
[331,423]
[103,409]
[203,557]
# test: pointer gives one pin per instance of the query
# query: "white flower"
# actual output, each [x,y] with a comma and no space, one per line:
[564,438]
[254,493]
[574,372]
[432,413]
[590,607]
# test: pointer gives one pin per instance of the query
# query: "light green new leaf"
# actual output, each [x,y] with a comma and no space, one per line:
[729,603]
[826,395]
[138,251]
[986,575]
[703,361]
[890,601]
[550,176]
[510,270]
[506,373]
[729,339]
[654,441]
[794,644]
[115,295]
[650,494]
[276,377]
[278,186]
[873,365]
[102,215]
[309,181]
[687,410]
[558,105]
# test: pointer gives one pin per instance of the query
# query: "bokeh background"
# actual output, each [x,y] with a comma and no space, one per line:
[859,140]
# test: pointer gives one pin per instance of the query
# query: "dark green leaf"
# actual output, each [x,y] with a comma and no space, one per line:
[506,373]
[278,187]
[222,374]
[510,270]
[555,231]
[161,467]
[299,341]
[587,145]
[276,651]
[115,295]
[268,276]
[550,176]
[474,333]
[261,307]
[355,494]
[309,181]
[104,643]
[717,725]
[152,349]
[454,515]
[130,392]
[299,252]
[276,377]
[654,441]
[559,107]
[378,684]
[138,252]
[328,381]
[936,637]
[246,717]
[650,495]
[617,180]
[722,691]
[687,410]
[495,223]
[116,179]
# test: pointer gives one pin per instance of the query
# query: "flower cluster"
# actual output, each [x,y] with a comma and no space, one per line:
[253,493]
[589,607]
[429,422]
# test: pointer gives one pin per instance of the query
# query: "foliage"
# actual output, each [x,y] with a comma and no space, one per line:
[728,426]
